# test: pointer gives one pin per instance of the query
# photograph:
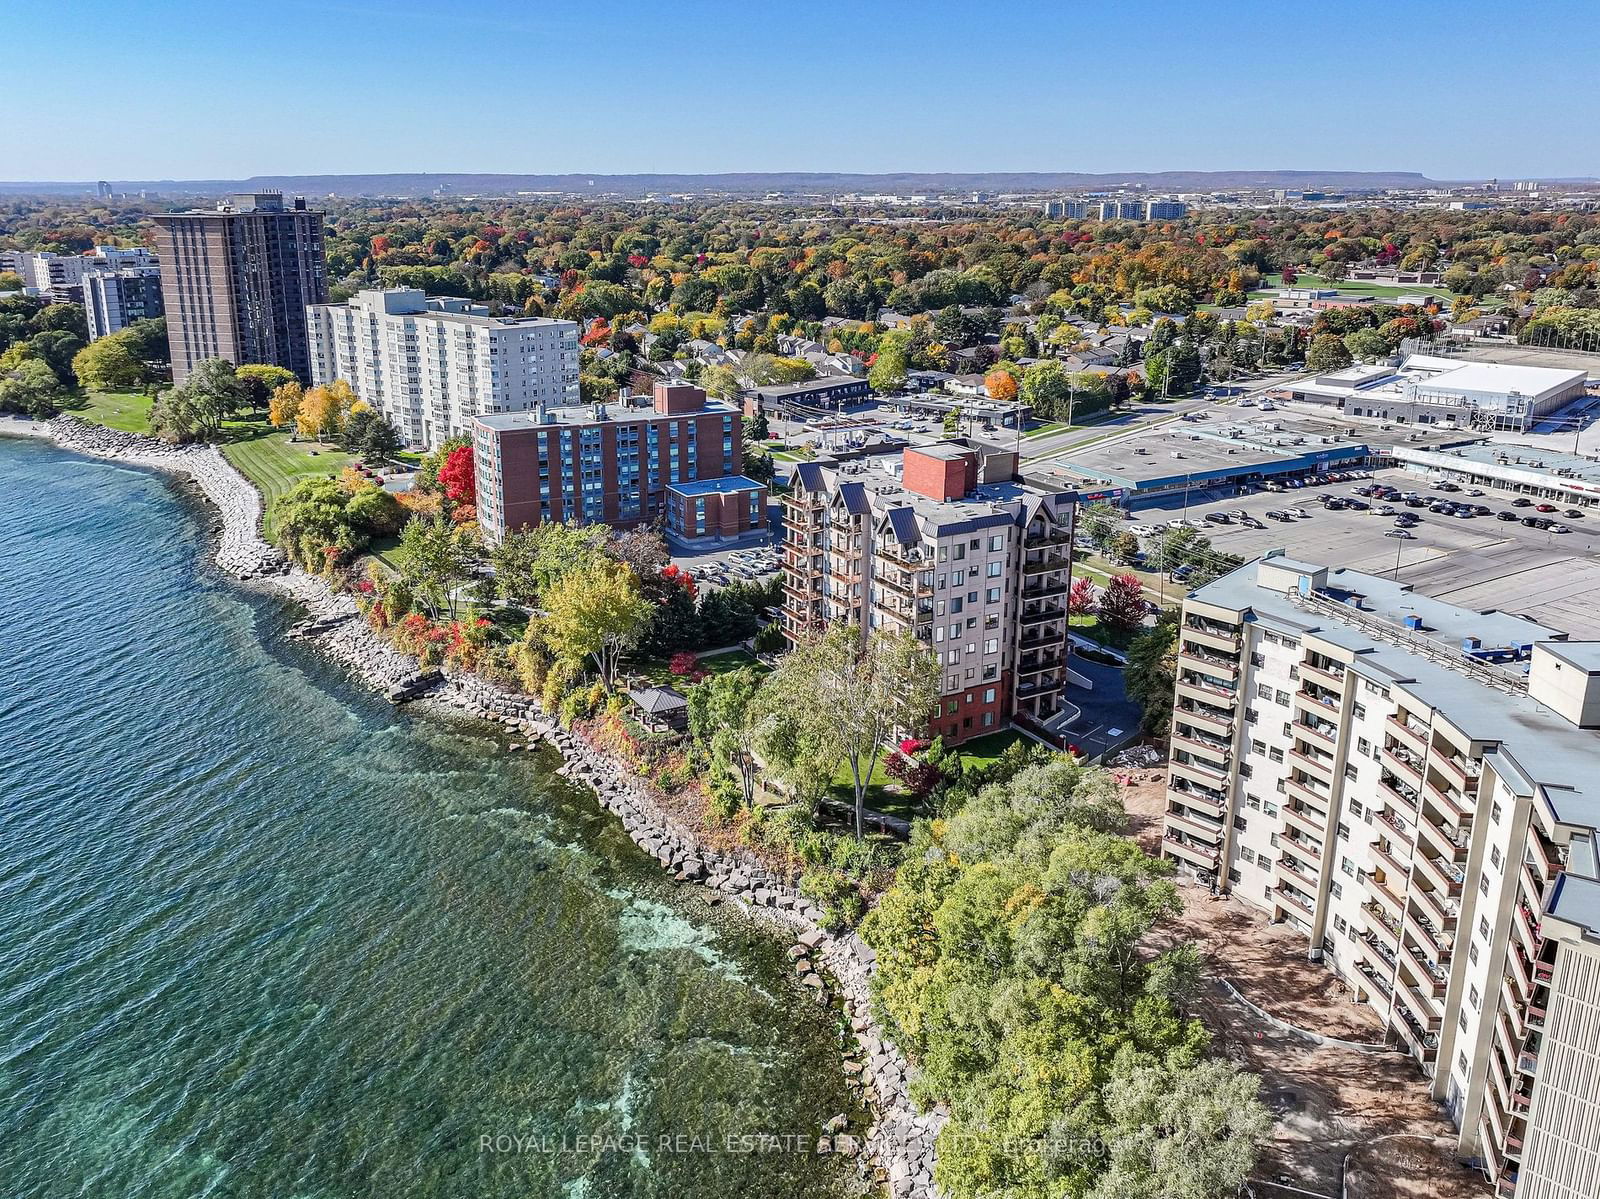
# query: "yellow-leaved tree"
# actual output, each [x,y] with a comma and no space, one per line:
[284,405]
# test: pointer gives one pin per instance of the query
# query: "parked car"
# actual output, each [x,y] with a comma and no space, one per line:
[1573,512]
[1446,487]
[1555,527]
[1300,512]
[1238,514]
[1522,501]
[1534,522]
[1544,508]
[1474,491]
[1505,515]
[1403,534]
[1218,518]
[1384,510]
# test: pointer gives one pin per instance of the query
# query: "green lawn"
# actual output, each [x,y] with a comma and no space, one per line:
[1054,426]
[128,411]
[274,463]
[1383,291]
[657,670]
[986,751]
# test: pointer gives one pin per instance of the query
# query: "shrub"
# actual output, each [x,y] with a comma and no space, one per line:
[838,897]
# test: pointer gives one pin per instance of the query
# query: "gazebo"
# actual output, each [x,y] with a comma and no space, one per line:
[661,707]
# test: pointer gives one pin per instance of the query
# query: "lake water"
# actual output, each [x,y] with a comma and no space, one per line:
[262,935]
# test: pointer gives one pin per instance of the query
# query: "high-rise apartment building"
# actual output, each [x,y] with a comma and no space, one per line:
[1413,787]
[114,299]
[672,457]
[944,542]
[432,365]
[237,280]
[59,277]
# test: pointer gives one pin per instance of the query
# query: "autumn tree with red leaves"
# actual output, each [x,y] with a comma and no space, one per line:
[458,477]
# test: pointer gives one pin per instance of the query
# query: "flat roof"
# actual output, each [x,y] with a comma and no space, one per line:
[1532,459]
[1208,449]
[1455,374]
[810,385]
[725,485]
[570,415]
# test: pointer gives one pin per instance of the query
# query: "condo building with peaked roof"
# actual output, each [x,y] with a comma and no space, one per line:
[1413,787]
[943,541]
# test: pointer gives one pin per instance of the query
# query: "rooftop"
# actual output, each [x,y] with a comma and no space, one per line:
[726,485]
[1533,459]
[639,408]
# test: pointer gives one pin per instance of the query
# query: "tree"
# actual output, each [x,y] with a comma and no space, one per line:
[1081,597]
[528,562]
[888,372]
[30,388]
[720,382]
[596,614]
[1100,523]
[458,476]
[369,433]
[1121,607]
[852,695]
[284,405]
[324,409]
[198,406]
[434,558]
[1124,546]
[260,380]
[107,365]
[1367,345]
[725,712]
[1001,386]
[1048,390]
[1152,671]
[1327,353]
[757,464]
[1177,1132]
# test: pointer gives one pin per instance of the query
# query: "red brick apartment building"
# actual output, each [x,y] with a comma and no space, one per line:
[944,541]
[673,456]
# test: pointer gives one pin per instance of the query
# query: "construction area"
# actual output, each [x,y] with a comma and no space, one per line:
[1353,1121]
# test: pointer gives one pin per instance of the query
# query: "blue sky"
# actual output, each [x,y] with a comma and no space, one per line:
[200,89]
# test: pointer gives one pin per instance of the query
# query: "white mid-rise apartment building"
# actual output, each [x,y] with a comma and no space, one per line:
[1416,788]
[60,276]
[432,365]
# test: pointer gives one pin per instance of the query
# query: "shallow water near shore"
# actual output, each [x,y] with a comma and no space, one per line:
[262,934]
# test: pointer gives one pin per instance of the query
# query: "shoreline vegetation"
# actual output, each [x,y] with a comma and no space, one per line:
[1047,1047]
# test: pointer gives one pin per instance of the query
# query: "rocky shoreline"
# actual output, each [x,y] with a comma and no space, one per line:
[899,1146]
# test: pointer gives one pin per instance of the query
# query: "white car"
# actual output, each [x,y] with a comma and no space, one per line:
[1144,530]
[1474,491]
[1383,510]
[1300,512]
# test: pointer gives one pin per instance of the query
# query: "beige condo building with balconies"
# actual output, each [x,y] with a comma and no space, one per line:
[1412,785]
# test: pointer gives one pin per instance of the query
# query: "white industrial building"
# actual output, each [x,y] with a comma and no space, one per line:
[431,365]
[1428,390]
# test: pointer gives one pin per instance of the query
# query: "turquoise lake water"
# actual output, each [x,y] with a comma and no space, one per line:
[262,935]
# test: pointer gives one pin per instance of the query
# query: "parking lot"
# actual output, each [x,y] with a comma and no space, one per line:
[1479,562]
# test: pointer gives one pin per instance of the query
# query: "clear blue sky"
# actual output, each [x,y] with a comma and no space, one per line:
[190,89]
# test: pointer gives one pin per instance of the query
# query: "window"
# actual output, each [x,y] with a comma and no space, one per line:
[1283,699]
[1344,831]
[1494,812]
[1336,890]
[1247,856]
[1258,747]
[1258,660]
[1483,927]
[1340,924]
[1251,716]
[1363,746]
[1238,823]
[1472,952]
[1472,997]
[1461,1021]
[1275,754]
[988,695]
[1263,691]
[993,569]
[1358,711]
[1355,807]
[992,645]
[1495,857]
[1461,1058]
[1245,770]
[1253,803]
[1350,773]
[1346,866]
[1483,885]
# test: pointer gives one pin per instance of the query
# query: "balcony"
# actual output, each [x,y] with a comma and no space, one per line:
[1226,642]
[1332,679]
[1527,922]
[1045,565]
[1201,798]
[1220,751]
[1303,788]
[1385,891]
[1300,871]
[1307,820]
[1199,772]
[1195,825]
[1431,976]
[1378,980]
[1463,772]
[1042,613]
[1392,821]
[1194,718]
[1320,701]
[1196,855]
[1323,732]
[1451,803]
[1397,793]
[1210,690]
[1285,893]
[1322,766]
[1443,874]
[1210,664]
[1388,859]
[1379,947]
[1413,736]
[1042,587]
[1403,762]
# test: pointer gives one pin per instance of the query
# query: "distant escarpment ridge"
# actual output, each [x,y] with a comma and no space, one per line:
[748,183]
